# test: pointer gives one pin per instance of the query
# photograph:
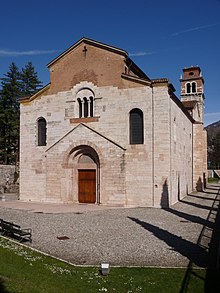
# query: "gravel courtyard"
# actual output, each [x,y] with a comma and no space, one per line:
[121,236]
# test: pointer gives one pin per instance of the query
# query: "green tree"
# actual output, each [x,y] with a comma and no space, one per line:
[14,85]
[9,115]
[214,152]
[29,80]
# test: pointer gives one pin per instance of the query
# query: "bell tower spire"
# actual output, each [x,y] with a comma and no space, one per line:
[192,92]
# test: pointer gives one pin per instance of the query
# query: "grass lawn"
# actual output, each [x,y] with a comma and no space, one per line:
[24,270]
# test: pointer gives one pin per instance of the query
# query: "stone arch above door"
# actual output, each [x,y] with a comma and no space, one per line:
[82,148]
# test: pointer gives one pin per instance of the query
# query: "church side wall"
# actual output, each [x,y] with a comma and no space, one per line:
[199,156]
[139,157]
[161,146]
[181,153]
[205,162]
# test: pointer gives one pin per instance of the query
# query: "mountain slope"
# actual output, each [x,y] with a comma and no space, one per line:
[213,140]
[213,129]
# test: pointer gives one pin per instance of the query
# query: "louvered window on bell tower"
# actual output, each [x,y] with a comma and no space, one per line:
[194,87]
[136,127]
[188,88]
[191,87]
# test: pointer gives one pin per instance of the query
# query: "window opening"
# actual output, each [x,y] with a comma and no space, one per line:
[85,105]
[136,127]
[86,112]
[188,88]
[193,87]
[91,106]
[42,132]
[80,108]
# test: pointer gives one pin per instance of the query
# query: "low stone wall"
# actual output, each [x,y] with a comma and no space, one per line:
[9,179]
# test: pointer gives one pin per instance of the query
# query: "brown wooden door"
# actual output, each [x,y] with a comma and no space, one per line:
[87,186]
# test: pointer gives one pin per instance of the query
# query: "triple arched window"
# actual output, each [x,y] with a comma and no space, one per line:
[41,132]
[136,126]
[85,106]
[191,87]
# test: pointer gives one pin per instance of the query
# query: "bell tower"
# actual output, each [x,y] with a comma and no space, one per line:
[192,92]
[192,97]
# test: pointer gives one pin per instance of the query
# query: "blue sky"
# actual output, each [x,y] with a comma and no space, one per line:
[162,37]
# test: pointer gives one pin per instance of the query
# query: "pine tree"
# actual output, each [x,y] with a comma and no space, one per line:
[29,80]
[14,85]
[9,115]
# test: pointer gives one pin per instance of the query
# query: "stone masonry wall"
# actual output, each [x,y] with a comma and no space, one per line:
[181,154]
[200,156]
[161,146]
[141,175]
[111,107]
[155,173]
[7,174]
[9,179]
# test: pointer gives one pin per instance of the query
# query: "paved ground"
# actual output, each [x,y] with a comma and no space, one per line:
[122,236]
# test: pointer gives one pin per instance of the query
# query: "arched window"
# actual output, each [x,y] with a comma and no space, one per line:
[136,127]
[188,88]
[80,107]
[85,106]
[86,112]
[41,132]
[194,87]
[91,106]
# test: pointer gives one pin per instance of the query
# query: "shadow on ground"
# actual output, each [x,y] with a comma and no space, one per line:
[212,283]
[198,255]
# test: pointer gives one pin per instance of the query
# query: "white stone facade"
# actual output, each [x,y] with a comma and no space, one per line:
[155,173]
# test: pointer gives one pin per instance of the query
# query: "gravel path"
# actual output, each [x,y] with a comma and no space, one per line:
[121,236]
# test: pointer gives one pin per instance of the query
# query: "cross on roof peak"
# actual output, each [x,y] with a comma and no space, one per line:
[85,50]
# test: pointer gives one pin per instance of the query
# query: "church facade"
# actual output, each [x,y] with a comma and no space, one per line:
[103,132]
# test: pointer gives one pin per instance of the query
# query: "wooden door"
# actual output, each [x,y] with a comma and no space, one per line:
[87,186]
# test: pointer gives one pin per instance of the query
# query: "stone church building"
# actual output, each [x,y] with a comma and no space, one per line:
[103,132]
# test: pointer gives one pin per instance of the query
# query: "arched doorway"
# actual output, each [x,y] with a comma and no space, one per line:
[83,173]
[82,166]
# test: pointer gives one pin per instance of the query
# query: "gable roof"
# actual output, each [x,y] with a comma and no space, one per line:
[89,42]
[104,46]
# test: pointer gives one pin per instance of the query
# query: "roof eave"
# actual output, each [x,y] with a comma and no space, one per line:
[136,79]
[137,69]
[34,96]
